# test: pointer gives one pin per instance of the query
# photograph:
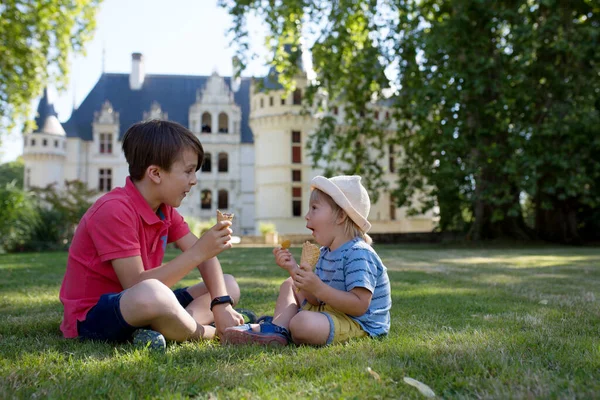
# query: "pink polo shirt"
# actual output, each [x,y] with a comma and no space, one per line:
[119,224]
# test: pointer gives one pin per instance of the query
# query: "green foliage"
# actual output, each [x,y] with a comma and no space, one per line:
[64,209]
[37,39]
[198,227]
[490,99]
[19,216]
[12,171]
[267,227]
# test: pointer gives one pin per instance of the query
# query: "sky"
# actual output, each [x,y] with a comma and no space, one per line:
[187,37]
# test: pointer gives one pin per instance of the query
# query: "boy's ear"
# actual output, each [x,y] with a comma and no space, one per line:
[153,172]
[342,217]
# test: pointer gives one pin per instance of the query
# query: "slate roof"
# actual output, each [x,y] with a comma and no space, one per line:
[174,93]
[45,109]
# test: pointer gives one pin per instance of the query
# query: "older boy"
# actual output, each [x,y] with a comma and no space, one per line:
[115,282]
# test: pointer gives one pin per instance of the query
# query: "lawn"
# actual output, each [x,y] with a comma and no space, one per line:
[468,322]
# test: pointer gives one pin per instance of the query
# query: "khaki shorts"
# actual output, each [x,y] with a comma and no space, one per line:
[342,327]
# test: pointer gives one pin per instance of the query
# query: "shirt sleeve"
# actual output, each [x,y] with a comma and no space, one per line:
[362,269]
[113,229]
[179,228]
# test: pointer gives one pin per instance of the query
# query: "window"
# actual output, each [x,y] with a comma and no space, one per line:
[206,123]
[223,162]
[297,97]
[283,101]
[33,142]
[296,201]
[392,158]
[296,175]
[207,163]
[223,200]
[262,103]
[296,147]
[376,115]
[45,142]
[335,110]
[392,207]
[387,115]
[56,143]
[223,123]
[206,199]
[106,143]
[25,142]
[271,101]
[105,179]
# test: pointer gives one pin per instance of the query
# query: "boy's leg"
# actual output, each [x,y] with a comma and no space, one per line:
[310,327]
[152,303]
[287,304]
[199,308]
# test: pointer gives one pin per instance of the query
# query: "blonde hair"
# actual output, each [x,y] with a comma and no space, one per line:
[350,228]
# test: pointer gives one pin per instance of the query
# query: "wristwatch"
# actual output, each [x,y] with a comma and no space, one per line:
[220,300]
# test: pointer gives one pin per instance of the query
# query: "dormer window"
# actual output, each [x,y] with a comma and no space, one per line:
[223,123]
[106,140]
[206,123]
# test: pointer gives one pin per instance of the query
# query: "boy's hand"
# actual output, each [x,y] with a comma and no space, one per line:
[284,259]
[215,240]
[305,279]
[225,316]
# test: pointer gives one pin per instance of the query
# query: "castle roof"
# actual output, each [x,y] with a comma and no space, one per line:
[174,93]
[46,117]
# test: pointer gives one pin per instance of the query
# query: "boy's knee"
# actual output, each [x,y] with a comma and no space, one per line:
[301,327]
[287,284]
[152,295]
[233,290]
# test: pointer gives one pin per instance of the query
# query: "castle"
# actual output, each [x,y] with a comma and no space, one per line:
[257,164]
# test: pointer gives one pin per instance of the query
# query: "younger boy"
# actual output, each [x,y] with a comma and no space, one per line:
[115,282]
[348,294]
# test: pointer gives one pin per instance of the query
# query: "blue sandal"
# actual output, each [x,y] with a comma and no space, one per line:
[269,335]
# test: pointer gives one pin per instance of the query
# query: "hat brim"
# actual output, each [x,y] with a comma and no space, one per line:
[328,187]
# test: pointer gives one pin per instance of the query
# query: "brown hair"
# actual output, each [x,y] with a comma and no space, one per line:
[157,142]
[350,227]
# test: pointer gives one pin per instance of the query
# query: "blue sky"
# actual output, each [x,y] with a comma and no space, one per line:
[186,37]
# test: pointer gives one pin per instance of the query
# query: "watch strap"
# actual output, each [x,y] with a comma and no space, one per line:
[220,300]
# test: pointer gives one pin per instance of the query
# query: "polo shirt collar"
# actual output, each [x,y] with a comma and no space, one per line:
[142,206]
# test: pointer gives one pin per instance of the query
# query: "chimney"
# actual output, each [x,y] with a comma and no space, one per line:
[136,78]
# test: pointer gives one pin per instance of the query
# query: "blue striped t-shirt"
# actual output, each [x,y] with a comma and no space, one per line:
[355,264]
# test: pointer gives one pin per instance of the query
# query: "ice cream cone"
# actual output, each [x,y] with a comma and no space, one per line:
[224,216]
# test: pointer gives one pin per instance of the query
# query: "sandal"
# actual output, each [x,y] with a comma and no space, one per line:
[265,319]
[269,335]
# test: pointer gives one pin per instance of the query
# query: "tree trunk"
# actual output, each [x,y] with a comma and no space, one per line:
[558,224]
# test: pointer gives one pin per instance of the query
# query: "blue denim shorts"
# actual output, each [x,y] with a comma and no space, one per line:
[105,322]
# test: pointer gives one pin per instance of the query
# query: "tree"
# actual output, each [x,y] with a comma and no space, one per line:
[67,205]
[18,215]
[12,171]
[36,39]
[492,100]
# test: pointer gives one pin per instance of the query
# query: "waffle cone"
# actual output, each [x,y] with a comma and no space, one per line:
[310,254]
[224,216]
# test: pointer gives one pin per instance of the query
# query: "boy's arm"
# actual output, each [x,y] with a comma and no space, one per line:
[211,271]
[212,275]
[355,302]
[130,270]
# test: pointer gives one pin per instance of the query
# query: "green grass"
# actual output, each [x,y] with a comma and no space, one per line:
[470,323]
